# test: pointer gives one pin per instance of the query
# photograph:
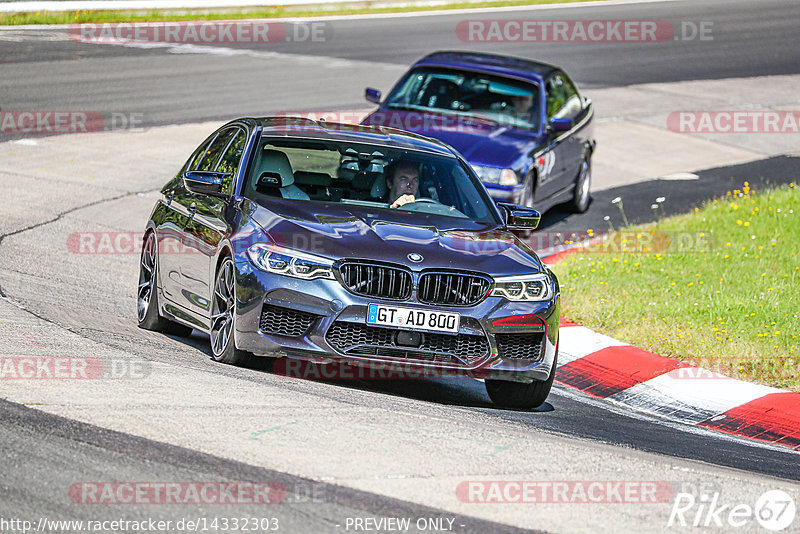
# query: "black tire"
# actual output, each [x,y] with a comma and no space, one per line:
[147,306]
[582,195]
[223,318]
[519,395]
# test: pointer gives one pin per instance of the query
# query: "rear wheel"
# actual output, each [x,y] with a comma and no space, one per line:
[583,183]
[147,294]
[519,395]
[223,317]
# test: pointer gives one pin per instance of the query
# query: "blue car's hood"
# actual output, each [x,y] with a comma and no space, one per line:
[338,231]
[481,142]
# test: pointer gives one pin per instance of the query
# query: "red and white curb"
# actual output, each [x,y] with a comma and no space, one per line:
[606,368]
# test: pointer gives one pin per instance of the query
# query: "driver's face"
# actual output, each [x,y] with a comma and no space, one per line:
[404,182]
[522,103]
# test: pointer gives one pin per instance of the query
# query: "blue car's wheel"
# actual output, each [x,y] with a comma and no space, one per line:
[519,395]
[147,312]
[583,183]
[223,317]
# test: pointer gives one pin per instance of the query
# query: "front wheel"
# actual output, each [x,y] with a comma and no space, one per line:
[583,183]
[223,317]
[519,395]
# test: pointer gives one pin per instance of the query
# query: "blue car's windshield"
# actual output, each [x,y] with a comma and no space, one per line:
[373,176]
[503,100]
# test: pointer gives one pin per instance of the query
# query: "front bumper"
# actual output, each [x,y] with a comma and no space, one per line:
[329,304]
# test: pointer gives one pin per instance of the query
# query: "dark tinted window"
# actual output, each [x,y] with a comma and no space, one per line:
[212,154]
[563,101]
[198,157]
[230,159]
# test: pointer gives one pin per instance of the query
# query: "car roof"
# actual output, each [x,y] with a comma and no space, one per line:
[517,67]
[303,128]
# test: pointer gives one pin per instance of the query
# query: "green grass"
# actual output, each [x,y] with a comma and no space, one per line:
[78,17]
[718,287]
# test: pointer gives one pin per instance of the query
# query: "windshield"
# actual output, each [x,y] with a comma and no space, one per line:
[503,100]
[374,176]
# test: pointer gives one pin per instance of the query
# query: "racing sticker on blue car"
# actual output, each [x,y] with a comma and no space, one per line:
[545,164]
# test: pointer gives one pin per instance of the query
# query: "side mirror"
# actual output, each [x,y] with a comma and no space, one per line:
[561,125]
[205,182]
[520,217]
[372,95]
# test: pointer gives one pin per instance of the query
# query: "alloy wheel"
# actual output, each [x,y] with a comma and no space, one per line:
[147,278]
[223,308]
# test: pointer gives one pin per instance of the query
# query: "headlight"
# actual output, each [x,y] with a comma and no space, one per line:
[524,288]
[494,175]
[279,260]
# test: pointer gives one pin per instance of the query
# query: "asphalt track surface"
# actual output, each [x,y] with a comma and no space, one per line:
[749,40]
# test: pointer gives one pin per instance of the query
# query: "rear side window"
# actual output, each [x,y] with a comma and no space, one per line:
[212,154]
[230,159]
[563,101]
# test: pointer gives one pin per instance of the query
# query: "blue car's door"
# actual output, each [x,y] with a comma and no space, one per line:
[564,148]
[173,227]
[206,225]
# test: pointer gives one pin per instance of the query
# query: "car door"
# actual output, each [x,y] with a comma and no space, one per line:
[173,229]
[559,163]
[205,227]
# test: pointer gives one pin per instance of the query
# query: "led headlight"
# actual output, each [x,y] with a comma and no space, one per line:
[524,288]
[493,175]
[279,260]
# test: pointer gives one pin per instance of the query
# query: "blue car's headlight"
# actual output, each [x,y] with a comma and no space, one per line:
[279,260]
[493,175]
[524,288]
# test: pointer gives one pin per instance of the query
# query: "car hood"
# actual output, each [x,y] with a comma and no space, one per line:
[338,231]
[480,141]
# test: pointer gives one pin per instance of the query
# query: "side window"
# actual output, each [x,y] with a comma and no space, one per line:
[563,101]
[230,159]
[198,157]
[214,151]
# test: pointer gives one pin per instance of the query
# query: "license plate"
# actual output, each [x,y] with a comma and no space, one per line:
[413,318]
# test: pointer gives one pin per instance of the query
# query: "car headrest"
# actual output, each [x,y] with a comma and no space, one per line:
[379,188]
[275,165]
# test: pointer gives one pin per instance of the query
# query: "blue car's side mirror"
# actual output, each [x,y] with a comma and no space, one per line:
[205,182]
[561,125]
[372,95]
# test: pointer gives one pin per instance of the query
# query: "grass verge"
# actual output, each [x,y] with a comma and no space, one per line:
[88,16]
[718,287]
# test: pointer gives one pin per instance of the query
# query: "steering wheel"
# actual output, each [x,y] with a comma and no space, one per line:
[428,200]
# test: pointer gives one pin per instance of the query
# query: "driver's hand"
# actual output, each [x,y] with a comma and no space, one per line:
[403,200]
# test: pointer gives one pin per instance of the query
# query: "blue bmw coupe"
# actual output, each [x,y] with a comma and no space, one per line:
[522,125]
